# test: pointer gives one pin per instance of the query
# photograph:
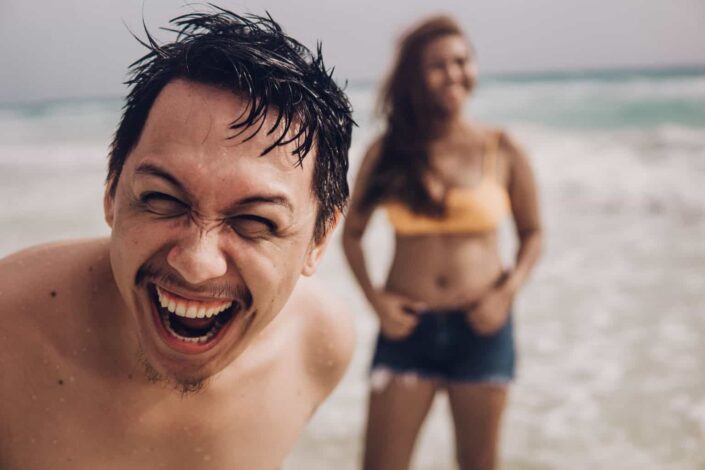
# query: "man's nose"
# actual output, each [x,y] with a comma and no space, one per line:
[198,257]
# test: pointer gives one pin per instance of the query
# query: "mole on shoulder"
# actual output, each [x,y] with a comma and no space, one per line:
[61,382]
[52,293]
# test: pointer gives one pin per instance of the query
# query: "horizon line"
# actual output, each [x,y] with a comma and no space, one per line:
[508,75]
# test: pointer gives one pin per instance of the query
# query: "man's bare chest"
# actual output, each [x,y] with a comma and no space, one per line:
[64,418]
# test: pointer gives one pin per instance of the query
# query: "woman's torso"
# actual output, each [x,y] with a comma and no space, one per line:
[453,264]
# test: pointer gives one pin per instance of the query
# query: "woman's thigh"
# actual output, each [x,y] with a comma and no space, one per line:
[477,413]
[397,408]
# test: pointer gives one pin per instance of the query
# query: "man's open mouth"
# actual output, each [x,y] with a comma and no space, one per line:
[198,322]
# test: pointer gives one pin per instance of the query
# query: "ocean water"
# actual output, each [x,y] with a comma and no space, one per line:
[611,326]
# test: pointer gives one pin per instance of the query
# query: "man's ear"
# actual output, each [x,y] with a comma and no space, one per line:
[109,204]
[317,248]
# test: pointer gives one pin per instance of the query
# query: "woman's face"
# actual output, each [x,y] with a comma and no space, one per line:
[449,72]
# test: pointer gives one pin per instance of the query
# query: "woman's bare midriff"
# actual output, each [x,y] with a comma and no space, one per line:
[445,271]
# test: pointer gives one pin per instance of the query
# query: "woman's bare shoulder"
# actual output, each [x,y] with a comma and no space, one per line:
[508,144]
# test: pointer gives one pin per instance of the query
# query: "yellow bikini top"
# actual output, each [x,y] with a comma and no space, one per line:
[468,210]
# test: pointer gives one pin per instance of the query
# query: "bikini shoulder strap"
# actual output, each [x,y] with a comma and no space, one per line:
[491,149]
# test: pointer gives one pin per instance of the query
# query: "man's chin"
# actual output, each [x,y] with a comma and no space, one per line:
[181,381]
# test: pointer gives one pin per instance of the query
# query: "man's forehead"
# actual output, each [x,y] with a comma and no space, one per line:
[189,133]
[208,112]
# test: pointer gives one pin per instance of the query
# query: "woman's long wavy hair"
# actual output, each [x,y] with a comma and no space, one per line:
[405,104]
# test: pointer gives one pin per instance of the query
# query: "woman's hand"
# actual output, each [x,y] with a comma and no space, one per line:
[490,313]
[398,315]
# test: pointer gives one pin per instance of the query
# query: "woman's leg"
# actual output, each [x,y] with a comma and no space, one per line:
[395,414]
[477,412]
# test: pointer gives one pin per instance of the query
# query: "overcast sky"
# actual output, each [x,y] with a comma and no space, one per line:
[74,48]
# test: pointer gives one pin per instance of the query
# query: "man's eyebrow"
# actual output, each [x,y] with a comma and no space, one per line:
[265,199]
[150,169]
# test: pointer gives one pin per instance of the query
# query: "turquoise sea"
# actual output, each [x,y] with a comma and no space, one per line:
[611,327]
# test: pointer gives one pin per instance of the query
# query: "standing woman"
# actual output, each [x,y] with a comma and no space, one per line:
[446,183]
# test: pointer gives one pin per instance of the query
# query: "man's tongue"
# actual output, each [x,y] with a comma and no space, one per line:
[191,327]
[196,323]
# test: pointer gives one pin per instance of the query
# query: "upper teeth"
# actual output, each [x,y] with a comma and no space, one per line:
[191,308]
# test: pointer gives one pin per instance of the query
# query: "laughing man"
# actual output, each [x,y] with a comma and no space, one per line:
[184,341]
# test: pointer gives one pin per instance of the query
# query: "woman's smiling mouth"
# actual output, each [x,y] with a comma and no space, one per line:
[191,325]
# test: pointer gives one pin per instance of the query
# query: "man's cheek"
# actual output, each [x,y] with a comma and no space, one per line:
[276,262]
[270,284]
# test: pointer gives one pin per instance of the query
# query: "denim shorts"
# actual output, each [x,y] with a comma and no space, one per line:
[443,346]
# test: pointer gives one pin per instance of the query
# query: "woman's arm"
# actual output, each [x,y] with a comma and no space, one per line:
[356,221]
[491,313]
[523,195]
[392,309]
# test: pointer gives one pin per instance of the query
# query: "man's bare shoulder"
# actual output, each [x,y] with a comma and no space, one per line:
[329,332]
[50,264]
[45,277]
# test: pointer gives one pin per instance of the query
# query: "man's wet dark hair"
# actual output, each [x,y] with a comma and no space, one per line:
[252,56]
